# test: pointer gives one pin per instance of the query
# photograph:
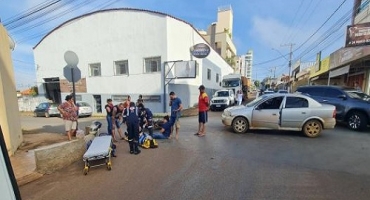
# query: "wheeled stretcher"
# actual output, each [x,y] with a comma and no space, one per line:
[100,148]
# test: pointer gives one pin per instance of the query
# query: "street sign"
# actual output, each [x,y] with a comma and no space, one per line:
[67,72]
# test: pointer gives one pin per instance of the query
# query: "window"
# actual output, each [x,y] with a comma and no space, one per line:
[119,98]
[152,98]
[333,93]
[296,102]
[121,67]
[95,69]
[217,78]
[152,64]
[78,97]
[273,103]
[208,74]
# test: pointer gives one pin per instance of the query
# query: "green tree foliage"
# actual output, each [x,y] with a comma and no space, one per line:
[34,91]
[257,83]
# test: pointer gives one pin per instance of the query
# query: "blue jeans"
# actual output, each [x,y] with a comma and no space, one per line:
[110,124]
[159,136]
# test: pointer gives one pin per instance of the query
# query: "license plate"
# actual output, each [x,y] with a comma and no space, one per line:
[218,106]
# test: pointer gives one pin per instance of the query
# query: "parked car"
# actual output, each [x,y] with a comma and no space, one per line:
[46,109]
[282,91]
[84,109]
[222,99]
[268,92]
[281,112]
[353,106]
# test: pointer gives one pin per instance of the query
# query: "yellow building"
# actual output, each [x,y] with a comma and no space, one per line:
[10,117]
[219,35]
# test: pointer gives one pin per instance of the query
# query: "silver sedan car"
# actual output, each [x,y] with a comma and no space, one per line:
[281,112]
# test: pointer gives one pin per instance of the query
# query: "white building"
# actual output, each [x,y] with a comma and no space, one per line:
[125,52]
[246,64]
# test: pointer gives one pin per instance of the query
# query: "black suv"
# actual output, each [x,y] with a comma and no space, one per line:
[353,106]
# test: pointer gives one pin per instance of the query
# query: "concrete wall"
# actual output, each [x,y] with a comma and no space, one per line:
[10,118]
[57,156]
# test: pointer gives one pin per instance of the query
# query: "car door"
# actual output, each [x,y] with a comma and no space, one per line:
[40,109]
[267,113]
[295,111]
[335,97]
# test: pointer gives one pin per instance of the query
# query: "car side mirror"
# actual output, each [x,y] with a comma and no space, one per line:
[37,107]
[344,97]
[257,108]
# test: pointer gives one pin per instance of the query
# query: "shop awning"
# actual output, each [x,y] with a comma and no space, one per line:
[338,72]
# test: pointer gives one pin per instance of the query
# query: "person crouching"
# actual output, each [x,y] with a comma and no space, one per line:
[131,117]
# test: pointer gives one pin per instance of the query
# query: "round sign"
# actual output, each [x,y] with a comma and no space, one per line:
[200,50]
[71,58]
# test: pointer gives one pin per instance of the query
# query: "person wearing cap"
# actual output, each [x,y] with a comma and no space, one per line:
[68,110]
[176,107]
[203,105]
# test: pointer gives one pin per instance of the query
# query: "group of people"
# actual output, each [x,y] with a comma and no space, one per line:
[137,117]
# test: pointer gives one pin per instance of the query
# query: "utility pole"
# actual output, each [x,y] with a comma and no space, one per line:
[290,62]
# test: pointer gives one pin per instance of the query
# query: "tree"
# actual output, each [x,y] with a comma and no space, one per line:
[257,83]
[231,61]
[34,91]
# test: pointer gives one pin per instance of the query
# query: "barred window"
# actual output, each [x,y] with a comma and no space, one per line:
[121,67]
[152,64]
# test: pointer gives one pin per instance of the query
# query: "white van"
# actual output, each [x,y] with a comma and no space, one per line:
[222,99]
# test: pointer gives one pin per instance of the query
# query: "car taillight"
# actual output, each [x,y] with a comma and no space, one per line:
[334,113]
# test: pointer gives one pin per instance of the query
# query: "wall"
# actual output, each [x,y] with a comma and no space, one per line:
[109,36]
[10,118]
[57,156]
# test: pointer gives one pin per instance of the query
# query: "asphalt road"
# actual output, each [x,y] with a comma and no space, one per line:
[222,165]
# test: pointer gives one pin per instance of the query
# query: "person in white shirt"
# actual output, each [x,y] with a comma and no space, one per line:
[239,97]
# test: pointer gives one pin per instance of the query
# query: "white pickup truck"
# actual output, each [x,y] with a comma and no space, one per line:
[222,99]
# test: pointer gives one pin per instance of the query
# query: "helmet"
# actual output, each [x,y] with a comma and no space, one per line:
[95,125]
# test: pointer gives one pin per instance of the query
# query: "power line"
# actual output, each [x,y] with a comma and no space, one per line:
[322,25]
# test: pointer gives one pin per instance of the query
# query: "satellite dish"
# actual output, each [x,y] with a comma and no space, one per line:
[71,58]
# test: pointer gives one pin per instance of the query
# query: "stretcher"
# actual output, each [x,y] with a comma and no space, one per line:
[99,149]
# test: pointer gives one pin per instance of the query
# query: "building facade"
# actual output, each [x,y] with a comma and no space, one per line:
[126,52]
[219,35]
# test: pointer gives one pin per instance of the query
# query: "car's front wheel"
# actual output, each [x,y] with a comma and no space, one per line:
[312,128]
[240,125]
[357,121]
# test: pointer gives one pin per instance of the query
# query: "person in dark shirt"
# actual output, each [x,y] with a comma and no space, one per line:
[146,118]
[109,109]
[165,131]
[131,117]
[176,107]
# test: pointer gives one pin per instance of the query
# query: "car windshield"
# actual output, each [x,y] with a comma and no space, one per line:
[230,83]
[255,101]
[222,94]
[357,95]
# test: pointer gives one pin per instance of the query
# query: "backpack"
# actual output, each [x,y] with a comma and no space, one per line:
[147,142]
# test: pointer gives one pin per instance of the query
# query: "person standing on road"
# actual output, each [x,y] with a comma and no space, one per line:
[239,97]
[140,100]
[109,109]
[68,109]
[176,107]
[131,117]
[117,114]
[203,105]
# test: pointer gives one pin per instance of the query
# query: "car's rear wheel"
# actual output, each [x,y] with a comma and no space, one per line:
[47,115]
[357,121]
[240,125]
[312,128]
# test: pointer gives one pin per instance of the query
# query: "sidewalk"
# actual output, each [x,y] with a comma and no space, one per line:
[24,167]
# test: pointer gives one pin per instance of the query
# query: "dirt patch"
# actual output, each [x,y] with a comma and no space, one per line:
[36,140]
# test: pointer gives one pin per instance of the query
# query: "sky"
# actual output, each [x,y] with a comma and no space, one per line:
[267,27]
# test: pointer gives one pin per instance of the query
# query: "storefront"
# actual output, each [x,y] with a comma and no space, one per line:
[319,73]
[351,65]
